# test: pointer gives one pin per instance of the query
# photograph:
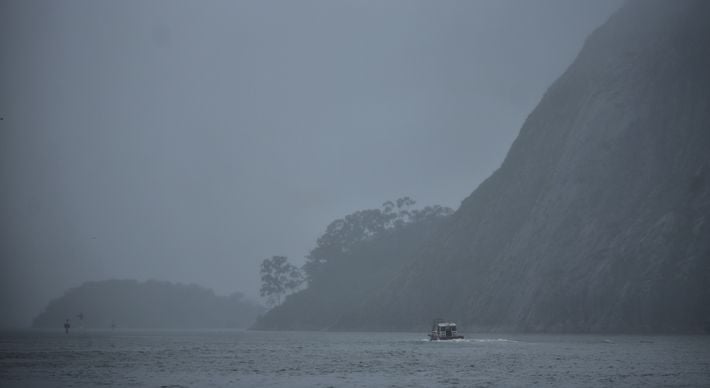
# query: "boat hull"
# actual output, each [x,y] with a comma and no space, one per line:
[433,337]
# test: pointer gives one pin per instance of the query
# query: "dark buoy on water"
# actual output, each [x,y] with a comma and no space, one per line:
[66,326]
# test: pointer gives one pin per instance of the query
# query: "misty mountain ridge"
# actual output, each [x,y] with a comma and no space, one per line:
[147,305]
[597,220]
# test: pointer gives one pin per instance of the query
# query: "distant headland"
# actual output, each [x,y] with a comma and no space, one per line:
[152,304]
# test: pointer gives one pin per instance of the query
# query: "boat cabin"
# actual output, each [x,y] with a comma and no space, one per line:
[442,330]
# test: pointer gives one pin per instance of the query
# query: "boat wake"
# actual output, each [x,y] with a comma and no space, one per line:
[495,340]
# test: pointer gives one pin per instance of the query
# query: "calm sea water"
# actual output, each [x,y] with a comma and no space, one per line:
[307,359]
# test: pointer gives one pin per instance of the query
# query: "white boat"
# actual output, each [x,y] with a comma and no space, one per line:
[443,330]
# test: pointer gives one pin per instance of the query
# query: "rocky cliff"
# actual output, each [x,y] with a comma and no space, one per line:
[598,220]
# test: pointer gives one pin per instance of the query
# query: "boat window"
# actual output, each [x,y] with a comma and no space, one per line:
[453,328]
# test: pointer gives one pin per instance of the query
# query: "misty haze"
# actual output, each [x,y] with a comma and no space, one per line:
[355,193]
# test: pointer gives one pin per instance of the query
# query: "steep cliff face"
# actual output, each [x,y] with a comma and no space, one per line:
[599,217]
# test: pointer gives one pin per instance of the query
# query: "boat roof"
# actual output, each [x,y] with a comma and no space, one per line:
[446,324]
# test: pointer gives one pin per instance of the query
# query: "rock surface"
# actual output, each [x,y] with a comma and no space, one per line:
[598,219]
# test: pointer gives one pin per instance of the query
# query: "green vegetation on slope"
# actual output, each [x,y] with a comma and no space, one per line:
[356,256]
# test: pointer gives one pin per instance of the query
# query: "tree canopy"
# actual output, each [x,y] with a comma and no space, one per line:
[343,234]
[357,255]
[278,277]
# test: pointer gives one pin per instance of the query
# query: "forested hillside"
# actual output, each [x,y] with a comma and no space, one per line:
[356,256]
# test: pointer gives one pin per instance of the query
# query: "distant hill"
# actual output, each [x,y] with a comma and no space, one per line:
[598,220]
[151,304]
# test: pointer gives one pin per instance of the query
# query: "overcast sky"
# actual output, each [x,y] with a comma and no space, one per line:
[186,141]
